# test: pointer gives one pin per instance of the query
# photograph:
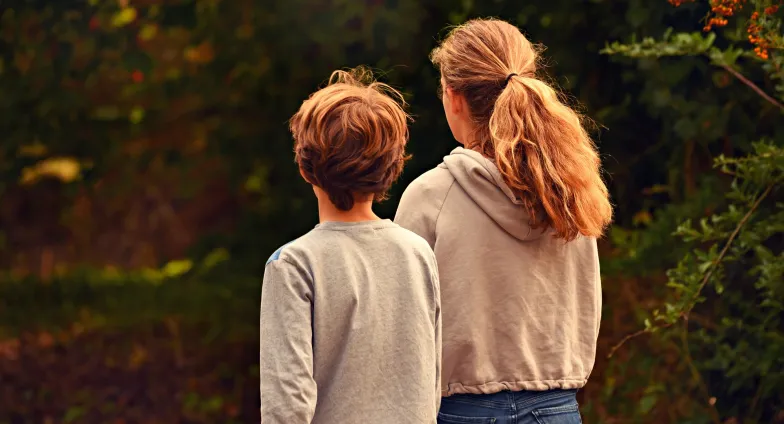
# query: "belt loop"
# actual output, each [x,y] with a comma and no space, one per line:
[512,403]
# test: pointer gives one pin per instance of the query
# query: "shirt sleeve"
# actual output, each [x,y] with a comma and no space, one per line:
[288,390]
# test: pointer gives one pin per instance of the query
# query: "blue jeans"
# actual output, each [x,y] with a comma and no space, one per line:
[551,407]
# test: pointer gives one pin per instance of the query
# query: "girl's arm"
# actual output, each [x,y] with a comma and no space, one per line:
[421,204]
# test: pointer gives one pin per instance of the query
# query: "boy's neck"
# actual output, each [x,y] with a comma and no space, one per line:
[362,210]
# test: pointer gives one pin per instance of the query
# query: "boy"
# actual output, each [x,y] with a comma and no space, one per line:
[350,312]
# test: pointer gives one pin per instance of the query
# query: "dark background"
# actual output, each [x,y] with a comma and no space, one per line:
[146,173]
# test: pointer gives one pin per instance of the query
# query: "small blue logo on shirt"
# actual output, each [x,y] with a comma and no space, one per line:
[275,256]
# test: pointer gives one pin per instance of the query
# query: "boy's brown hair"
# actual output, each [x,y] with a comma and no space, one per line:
[350,137]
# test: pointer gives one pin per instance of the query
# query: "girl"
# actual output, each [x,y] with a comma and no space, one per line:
[513,218]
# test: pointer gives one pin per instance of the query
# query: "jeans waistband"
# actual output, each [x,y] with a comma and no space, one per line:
[506,399]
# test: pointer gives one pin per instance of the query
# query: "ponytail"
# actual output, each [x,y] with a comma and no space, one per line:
[538,142]
[548,159]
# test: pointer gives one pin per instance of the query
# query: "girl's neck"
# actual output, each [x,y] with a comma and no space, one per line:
[482,149]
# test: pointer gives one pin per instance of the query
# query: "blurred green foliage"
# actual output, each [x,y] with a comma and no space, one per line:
[126,116]
[731,277]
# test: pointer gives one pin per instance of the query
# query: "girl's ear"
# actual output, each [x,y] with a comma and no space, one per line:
[456,102]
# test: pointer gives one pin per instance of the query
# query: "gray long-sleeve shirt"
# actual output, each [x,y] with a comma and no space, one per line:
[351,328]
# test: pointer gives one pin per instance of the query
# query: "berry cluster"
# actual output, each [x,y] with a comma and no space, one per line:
[756,33]
[721,10]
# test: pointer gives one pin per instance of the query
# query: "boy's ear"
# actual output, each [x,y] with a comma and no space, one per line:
[302,174]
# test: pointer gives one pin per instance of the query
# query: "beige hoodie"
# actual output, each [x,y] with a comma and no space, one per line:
[520,308]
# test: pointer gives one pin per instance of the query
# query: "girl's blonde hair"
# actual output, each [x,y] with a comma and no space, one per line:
[537,141]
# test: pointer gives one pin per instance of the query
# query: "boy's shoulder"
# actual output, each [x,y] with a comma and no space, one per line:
[410,238]
[289,251]
[414,243]
[301,250]
[297,250]
[276,255]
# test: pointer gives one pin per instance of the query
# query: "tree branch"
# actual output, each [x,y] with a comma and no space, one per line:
[726,248]
[685,314]
[638,333]
[753,86]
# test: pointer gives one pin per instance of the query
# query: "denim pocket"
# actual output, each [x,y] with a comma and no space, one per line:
[567,414]
[456,419]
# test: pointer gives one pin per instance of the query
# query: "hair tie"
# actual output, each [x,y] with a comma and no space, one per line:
[508,77]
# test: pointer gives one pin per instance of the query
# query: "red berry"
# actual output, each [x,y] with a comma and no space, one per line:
[137,76]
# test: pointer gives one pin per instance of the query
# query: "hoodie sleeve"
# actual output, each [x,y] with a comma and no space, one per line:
[288,390]
[422,201]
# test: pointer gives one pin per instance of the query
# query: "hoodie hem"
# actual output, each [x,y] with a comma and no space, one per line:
[514,386]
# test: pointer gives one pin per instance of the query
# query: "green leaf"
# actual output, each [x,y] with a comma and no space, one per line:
[724,58]
[705,266]
[648,402]
[215,257]
[177,268]
[124,17]
[137,115]
[148,32]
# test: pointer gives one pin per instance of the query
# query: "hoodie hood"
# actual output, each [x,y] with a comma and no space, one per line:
[482,181]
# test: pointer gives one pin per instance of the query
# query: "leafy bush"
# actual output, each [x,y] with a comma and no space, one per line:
[733,275]
[164,102]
